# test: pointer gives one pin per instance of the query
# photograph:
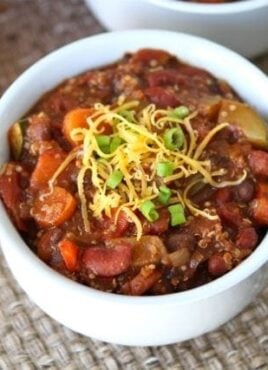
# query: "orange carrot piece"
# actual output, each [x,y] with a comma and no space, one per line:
[69,251]
[52,209]
[46,166]
[75,119]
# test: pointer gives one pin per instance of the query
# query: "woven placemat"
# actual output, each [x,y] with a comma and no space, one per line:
[29,339]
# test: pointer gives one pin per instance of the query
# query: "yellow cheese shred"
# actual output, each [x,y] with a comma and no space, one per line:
[141,148]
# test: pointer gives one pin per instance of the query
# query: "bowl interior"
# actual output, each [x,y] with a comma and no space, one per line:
[93,52]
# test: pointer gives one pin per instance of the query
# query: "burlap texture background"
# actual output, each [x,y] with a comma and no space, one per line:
[29,339]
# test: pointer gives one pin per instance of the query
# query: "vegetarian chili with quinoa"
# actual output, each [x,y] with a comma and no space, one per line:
[148,176]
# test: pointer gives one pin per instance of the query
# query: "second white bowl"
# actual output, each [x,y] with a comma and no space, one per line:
[242,25]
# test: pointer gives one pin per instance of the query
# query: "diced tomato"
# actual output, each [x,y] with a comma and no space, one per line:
[107,262]
[193,71]
[162,97]
[223,195]
[105,128]
[258,162]
[159,226]
[10,192]
[145,56]
[165,77]
[247,238]
[70,252]
[259,206]
[47,164]
[142,282]
[38,128]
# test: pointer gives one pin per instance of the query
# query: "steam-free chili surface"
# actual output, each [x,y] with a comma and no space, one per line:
[106,252]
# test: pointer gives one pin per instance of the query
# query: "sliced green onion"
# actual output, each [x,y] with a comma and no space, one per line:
[104,143]
[177,214]
[114,179]
[164,194]
[127,114]
[148,210]
[115,143]
[181,112]
[164,169]
[173,138]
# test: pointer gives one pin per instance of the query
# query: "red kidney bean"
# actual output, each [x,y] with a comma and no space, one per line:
[247,238]
[230,214]
[46,246]
[107,262]
[217,266]
[245,191]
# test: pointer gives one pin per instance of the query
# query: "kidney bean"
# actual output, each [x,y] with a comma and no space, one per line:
[245,191]
[107,262]
[247,238]
[217,265]
[230,214]
[46,245]
[258,162]
[203,195]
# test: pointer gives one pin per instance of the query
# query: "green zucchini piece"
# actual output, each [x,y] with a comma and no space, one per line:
[16,136]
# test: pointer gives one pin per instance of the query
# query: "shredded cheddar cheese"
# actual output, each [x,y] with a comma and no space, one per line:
[141,148]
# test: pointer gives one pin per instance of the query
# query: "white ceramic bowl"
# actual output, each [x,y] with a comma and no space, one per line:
[242,25]
[109,317]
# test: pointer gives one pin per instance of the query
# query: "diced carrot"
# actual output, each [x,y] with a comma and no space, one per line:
[53,208]
[76,118]
[69,251]
[46,166]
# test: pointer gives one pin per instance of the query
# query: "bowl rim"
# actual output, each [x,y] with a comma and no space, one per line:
[216,9]
[8,232]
